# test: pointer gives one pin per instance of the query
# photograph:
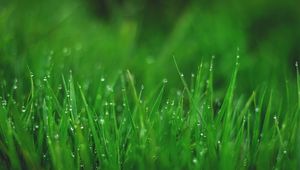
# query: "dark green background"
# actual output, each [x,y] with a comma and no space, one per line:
[94,38]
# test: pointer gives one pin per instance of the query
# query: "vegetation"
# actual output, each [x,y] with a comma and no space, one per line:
[106,86]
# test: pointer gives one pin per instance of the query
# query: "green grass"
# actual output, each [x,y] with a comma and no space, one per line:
[114,125]
[149,86]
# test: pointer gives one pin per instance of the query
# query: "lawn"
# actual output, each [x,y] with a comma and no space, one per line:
[149,84]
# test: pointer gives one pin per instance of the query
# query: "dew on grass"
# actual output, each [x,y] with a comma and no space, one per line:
[195,160]
[219,142]
[56,136]
[23,109]
[244,119]
[45,79]
[31,75]
[36,126]
[203,151]
[256,109]
[165,81]
[285,152]
[59,87]
[4,102]
[296,64]
[106,113]
[81,127]
[245,162]
[275,118]
[109,88]
[72,155]
[193,75]
[181,75]
[101,121]
[211,68]
[66,51]
[102,79]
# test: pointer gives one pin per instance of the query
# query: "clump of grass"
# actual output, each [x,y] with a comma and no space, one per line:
[114,125]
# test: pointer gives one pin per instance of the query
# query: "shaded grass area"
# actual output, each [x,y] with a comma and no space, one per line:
[114,125]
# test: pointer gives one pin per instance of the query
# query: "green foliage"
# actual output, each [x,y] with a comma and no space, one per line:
[120,127]
[149,84]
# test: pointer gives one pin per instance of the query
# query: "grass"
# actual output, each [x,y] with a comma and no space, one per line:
[114,125]
[82,88]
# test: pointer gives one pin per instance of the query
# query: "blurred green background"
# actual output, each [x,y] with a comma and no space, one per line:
[103,37]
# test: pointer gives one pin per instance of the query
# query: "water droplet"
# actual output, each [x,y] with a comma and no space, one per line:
[285,152]
[36,126]
[45,79]
[211,68]
[101,121]
[165,81]
[195,160]
[23,109]
[66,51]
[4,102]
[256,109]
[181,75]
[56,136]
[109,88]
[296,64]
[81,127]
[102,79]
[275,117]
[245,162]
